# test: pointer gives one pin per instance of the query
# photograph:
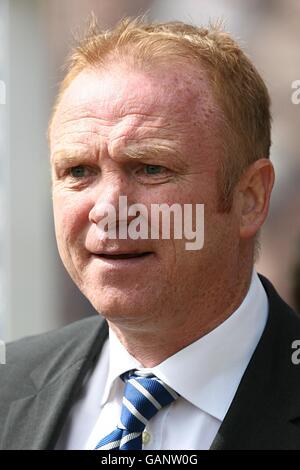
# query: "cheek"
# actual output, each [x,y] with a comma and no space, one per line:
[221,233]
[71,217]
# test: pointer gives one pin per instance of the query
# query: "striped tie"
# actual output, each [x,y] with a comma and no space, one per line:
[144,396]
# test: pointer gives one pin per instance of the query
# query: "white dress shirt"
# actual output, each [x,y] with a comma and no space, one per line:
[205,374]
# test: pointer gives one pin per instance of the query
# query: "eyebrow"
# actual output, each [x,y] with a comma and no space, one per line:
[70,155]
[136,151]
[158,150]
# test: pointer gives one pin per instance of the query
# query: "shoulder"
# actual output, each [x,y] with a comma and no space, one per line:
[280,312]
[275,366]
[61,348]
[40,345]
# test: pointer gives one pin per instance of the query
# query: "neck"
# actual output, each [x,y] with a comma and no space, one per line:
[154,342]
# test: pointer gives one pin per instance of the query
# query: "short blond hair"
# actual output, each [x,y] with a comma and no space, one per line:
[238,88]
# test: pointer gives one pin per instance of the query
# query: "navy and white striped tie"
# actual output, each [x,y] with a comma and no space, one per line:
[144,396]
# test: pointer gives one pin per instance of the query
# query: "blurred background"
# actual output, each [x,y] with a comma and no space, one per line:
[36,294]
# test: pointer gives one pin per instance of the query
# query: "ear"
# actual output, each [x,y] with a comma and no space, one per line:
[255,189]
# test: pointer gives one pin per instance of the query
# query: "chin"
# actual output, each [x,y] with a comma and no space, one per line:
[119,305]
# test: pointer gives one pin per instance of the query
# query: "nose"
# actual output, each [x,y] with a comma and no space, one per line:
[110,195]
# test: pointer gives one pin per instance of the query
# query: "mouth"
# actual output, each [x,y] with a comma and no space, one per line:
[123,256]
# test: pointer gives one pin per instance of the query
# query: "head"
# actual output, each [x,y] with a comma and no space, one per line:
[161,113]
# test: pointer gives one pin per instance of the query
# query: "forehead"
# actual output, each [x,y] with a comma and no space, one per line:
[121,89]
[117,78]
[117,101]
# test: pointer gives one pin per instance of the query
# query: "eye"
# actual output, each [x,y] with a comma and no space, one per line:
[153,169]
[79,171]
[153,174]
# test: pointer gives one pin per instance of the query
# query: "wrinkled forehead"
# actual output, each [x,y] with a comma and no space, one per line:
[114,92]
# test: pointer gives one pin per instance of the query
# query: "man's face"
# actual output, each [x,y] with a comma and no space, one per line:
[101,115]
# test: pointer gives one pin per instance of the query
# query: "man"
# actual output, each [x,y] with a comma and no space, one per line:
[199,349]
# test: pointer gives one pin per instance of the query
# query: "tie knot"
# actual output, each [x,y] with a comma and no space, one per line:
[144,395]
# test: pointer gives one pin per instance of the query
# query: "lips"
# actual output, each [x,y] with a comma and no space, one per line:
[117,256]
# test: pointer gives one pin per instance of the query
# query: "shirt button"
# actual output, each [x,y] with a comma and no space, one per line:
[146,437]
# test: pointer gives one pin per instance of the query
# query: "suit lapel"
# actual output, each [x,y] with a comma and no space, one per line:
[265,411]
[41,415]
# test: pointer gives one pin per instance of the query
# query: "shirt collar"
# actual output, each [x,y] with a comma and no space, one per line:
[120,361]
[207,372]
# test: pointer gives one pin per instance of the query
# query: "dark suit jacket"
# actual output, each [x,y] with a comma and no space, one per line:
[44,373]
